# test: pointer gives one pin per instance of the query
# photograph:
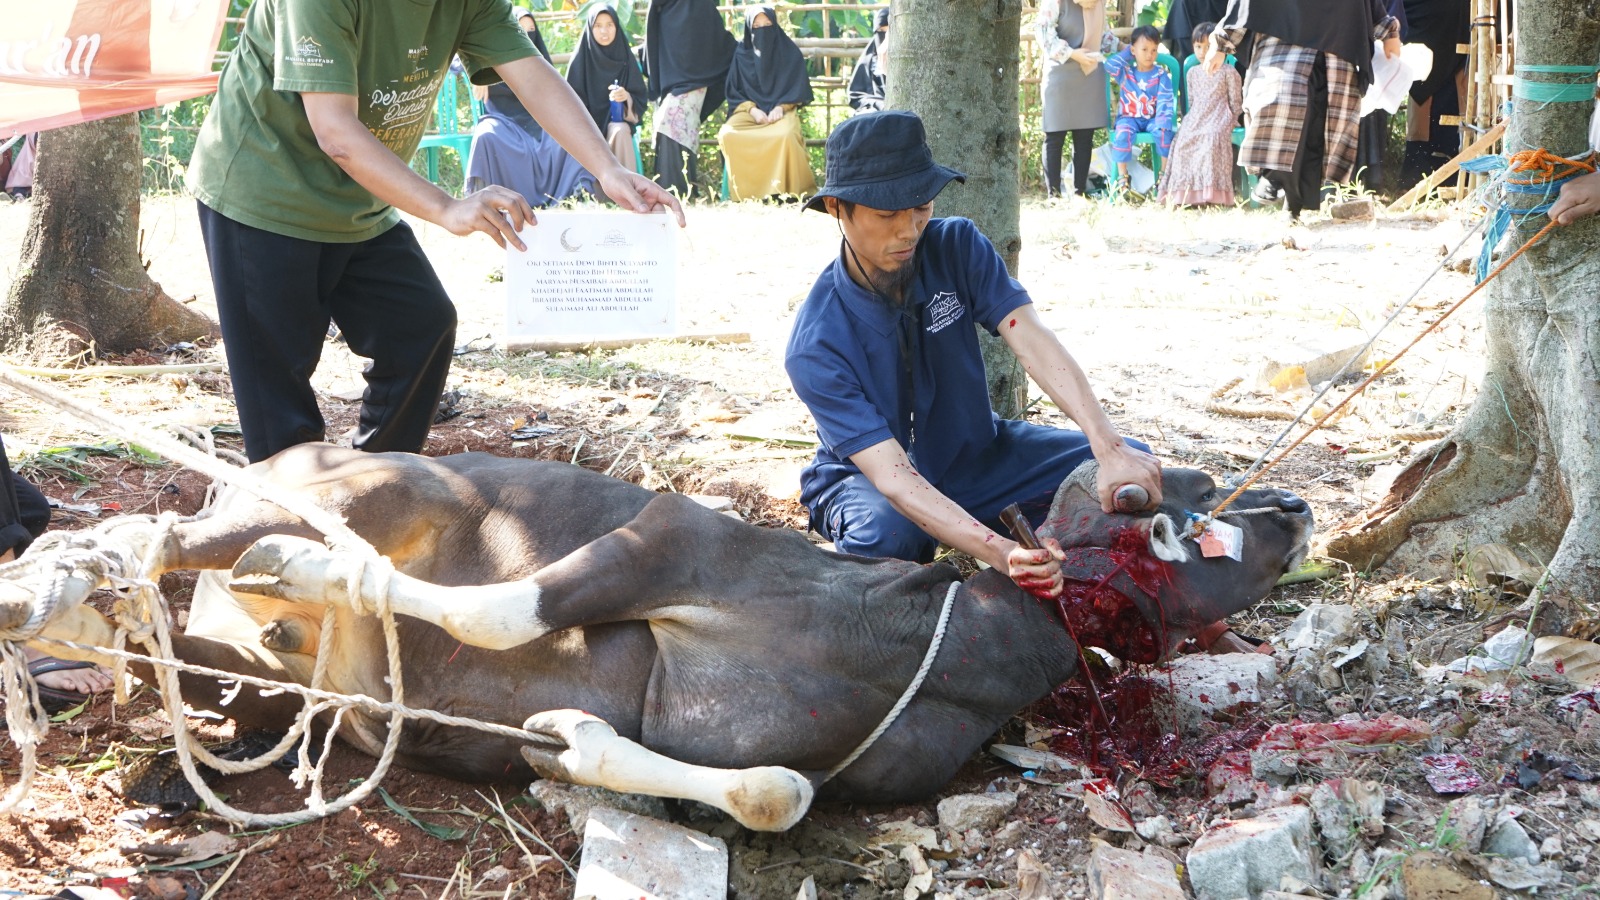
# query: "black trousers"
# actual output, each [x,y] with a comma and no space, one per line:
[24,512]
[1302,188]
[1082,151]
[677,168]
[275,298]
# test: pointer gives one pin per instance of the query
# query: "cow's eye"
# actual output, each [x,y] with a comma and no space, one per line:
[1208,496]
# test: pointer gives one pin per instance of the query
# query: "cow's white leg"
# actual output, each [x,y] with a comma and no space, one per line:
[496,617]
[767,798]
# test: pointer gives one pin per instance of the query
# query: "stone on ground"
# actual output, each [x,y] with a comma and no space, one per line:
[629,857]
[1116,874]
[982,811]
[1354,210]
[1320,626]
[1245,857]
[1204,684]
[1509,839]
[576,800]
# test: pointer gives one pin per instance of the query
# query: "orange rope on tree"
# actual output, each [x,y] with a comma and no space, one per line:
[1541,165]
[1534,158]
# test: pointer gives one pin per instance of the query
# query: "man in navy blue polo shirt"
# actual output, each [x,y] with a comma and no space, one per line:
[885,356]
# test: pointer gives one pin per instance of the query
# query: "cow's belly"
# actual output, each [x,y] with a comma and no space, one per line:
[599,669]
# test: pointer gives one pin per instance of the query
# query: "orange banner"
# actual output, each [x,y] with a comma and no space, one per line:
[63,62]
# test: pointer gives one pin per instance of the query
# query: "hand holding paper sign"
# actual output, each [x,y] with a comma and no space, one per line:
[631,190]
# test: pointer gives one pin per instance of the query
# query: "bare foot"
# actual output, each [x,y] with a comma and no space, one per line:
[91,680]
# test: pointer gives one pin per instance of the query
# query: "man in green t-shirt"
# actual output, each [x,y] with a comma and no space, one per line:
[300,172]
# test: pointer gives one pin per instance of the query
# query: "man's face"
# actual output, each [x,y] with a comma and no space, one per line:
[883,240]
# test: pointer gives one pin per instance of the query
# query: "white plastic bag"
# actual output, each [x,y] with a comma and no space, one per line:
[1140,178]
[1392,78]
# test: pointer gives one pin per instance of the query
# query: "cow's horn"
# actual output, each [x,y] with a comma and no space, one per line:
[1165,544]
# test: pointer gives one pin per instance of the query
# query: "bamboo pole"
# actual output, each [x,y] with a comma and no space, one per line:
[1485,114]
[1469,100]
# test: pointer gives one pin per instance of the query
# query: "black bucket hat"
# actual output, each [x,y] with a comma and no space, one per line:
[881,160]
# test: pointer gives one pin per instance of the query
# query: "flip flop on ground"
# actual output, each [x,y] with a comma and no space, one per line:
[55,697]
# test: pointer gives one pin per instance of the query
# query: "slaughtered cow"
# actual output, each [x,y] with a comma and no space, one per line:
[713,660]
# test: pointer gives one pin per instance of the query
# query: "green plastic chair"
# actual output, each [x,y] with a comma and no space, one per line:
[447,130]
[1141,139]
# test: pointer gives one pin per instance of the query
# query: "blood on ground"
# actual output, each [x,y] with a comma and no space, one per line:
[1130,723]
[1142,736]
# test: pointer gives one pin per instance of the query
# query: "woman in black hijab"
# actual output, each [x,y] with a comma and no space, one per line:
[510,149]
[687,50]
[606,77]
[762,141]
[869,83]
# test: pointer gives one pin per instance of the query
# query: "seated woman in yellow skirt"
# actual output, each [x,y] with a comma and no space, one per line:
[762,141]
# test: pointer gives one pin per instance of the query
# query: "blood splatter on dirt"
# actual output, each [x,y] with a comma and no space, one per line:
[1450,773]
[1140,733]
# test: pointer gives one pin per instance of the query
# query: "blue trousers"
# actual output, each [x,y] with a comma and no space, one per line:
[1024,465]
[1124,129]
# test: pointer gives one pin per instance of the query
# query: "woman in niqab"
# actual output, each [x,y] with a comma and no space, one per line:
[762,141]
[869,83]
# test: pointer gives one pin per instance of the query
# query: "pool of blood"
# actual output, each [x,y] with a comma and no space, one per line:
[1127,722]
[1140,733]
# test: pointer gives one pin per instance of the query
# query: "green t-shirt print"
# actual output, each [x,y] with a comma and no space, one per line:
[257,161]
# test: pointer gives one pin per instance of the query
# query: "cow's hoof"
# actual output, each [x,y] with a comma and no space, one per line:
[769,798]
[282,567]
[546,761]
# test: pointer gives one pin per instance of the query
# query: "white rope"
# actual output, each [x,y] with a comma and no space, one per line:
[143,615]
[26,720]
[332,525]
[911,689]
[1253,511]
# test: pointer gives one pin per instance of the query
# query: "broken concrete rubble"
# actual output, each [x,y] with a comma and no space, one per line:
[1203,685]
[963,812]
[629,857]
[1116,874]
[1244,857]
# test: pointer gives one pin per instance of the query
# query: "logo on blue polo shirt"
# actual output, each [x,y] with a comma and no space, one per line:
[943,309]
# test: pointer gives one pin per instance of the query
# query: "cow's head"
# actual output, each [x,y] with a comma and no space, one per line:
[1122,596]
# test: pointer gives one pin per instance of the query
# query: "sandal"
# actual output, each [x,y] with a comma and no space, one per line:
[57,700]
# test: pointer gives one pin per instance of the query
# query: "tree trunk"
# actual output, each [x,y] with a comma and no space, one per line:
[955,65]
[1523,468]
[80,282]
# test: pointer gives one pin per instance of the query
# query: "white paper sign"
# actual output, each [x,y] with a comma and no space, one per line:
[593,275]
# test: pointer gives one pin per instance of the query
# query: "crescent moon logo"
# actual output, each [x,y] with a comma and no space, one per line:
[567,245]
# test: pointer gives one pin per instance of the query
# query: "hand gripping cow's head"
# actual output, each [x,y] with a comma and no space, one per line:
[1122,597]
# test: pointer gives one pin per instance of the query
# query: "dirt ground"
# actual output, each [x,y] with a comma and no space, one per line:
[1176,316]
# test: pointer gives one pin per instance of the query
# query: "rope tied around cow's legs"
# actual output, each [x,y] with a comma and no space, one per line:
[26,720]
